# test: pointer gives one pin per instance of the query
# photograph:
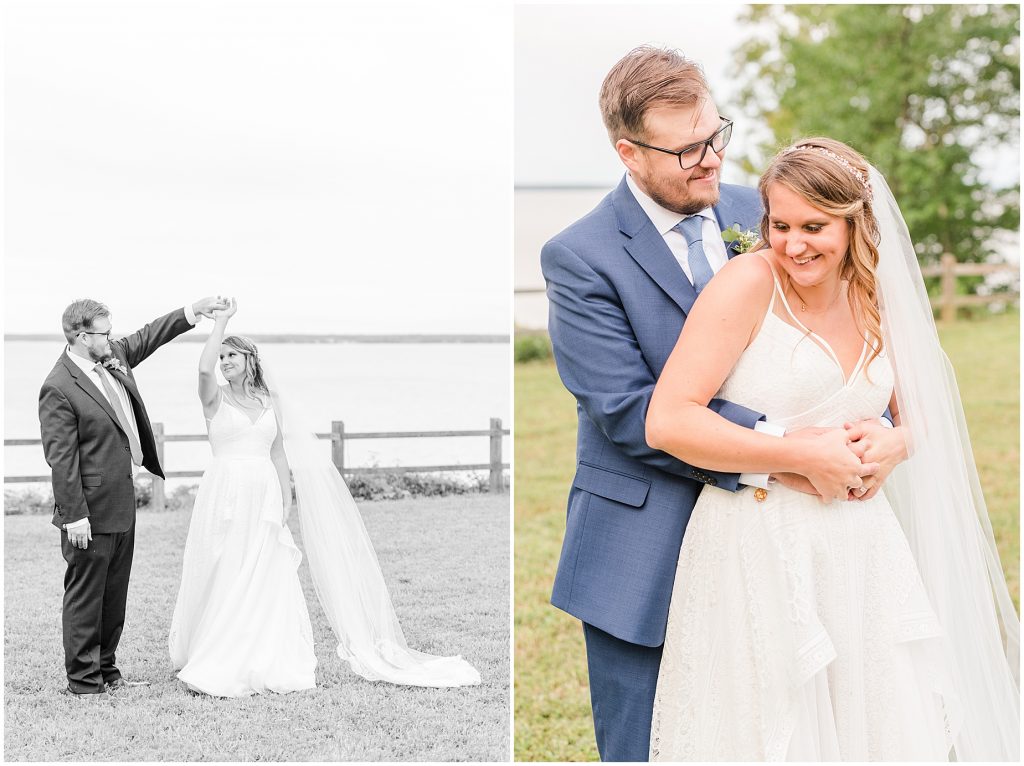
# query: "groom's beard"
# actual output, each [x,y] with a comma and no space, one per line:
[679,198]
[100,354]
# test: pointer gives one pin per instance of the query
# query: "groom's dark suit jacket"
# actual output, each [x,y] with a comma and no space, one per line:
[86,448]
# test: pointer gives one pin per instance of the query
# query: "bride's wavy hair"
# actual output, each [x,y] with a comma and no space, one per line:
[254,381]
[834,178]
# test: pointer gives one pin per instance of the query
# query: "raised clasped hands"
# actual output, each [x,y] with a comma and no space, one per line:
[208,306]
[228,311]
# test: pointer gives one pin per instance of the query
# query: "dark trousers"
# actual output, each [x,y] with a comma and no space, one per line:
[95,594]
[623,679]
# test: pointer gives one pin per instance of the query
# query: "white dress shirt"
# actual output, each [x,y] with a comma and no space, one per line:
[88,366]
[665,222]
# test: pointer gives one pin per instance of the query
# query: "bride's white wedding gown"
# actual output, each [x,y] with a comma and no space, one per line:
[240,623]
[800,630]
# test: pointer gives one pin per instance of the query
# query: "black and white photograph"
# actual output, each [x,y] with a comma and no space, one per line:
[767,382]
[257,368]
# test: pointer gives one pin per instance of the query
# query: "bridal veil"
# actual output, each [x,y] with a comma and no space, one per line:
[346,574]
[938,499]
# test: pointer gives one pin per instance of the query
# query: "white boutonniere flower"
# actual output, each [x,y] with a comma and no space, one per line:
[113,363]
[742,240]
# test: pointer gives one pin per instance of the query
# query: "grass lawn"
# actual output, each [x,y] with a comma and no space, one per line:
[552,699]
[446,563]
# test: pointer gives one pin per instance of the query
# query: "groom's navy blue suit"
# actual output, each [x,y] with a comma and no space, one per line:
[618,300]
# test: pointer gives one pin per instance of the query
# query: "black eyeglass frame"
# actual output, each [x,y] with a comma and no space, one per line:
[705,144]
[89,332]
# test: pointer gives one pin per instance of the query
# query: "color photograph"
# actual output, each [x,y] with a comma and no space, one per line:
[767,383]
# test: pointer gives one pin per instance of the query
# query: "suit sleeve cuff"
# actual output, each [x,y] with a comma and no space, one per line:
[190,315]
[761,479]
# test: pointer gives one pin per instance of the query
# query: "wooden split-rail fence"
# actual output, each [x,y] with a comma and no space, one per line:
[949,270]
[338,437]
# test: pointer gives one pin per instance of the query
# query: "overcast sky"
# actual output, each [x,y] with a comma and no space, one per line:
[563,53]
[338,168]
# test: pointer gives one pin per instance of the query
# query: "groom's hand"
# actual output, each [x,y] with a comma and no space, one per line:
[206,306]
[79,533]
[874,443]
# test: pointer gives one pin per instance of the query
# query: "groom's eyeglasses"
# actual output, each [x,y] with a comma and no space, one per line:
[104,334]
[691,156]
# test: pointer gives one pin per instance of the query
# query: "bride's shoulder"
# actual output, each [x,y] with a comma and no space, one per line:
[748,275]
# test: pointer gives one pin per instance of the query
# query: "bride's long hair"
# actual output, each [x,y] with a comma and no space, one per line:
[814,168]
[254,381]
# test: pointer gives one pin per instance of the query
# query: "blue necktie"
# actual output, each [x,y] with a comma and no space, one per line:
[699,267]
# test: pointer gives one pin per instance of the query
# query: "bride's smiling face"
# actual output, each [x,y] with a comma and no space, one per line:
[232,363]
[810,244]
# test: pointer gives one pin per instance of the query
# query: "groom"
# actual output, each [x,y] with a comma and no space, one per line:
[620,283]
[96,435]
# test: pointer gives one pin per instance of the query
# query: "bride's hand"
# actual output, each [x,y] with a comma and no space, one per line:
[874,443]
[228,312]
[832,467]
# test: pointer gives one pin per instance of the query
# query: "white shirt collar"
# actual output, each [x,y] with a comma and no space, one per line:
[86,365]
[664,220]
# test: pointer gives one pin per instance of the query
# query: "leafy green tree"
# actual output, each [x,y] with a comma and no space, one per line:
[922,91]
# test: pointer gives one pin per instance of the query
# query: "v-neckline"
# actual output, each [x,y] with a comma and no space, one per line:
[240,411]
[821,343]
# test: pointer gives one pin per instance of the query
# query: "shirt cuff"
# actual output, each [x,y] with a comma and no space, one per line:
[190,315]
[761,479]
[74,526]
[886,423]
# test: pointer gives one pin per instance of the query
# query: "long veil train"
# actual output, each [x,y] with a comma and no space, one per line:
[937,497]
[346,574]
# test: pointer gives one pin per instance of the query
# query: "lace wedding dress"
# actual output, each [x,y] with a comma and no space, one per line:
[800,630]
[240,624]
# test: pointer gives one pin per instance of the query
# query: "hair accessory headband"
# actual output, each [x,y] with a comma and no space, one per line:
[841,160]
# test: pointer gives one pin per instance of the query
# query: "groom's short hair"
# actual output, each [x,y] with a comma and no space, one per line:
[645,78]
[80,316]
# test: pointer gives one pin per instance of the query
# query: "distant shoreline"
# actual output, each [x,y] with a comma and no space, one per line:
[294,338]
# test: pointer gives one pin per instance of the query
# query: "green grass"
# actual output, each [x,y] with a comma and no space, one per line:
[552,698]
[446,564]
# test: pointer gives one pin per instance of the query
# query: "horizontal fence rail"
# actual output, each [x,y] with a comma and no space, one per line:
[948,270]
[337,436]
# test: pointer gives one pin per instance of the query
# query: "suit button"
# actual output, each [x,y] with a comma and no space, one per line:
[712,481]
[129,476]
[126,449]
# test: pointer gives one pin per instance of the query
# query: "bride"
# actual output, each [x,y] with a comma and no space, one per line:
[240,623]
[854,626]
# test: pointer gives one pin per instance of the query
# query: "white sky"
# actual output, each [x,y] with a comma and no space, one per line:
[338,168]
[563,53]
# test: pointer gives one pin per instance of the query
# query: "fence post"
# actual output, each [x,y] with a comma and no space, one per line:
[338,445]
[948,287]
[496,477]
[159,497]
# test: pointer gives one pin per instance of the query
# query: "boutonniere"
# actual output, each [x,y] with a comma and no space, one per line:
[113,363]
[742,241]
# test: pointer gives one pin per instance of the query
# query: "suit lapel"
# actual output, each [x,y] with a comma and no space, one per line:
[647,247]
[726,217]
[85,383]
[127,382]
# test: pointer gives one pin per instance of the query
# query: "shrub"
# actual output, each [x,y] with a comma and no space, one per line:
[532,347]
[27,500]
[373,486]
